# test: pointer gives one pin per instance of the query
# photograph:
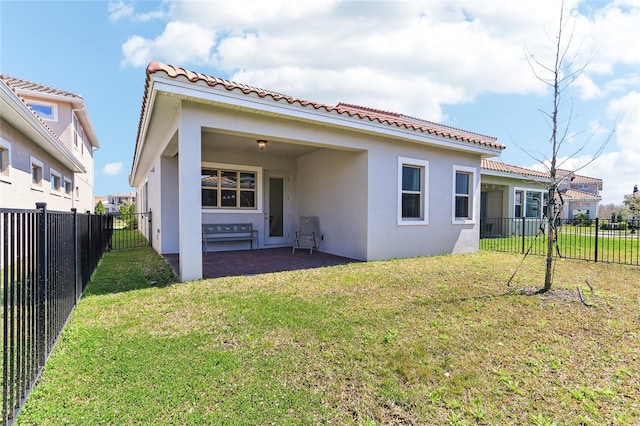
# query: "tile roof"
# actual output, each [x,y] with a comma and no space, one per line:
[364,113]
[579,178]
[18,84]
[12,83]
[561,174]
[497,166]
[575,194]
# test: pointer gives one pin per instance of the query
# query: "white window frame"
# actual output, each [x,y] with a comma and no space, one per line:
[78,134]
[54,174]
[5,161]
[54,109]
[473,184]
[235,168]
[523,201]
[77,192]
[66,181]
[37,186]
[424,191]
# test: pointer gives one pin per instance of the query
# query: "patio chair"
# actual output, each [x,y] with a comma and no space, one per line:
[306,236]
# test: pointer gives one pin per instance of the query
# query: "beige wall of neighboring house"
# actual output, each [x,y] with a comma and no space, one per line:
[47,143]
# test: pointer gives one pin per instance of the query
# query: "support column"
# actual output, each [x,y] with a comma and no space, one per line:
[189,205]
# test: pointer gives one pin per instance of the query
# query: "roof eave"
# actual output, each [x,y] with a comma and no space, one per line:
[265,105]
[18,114]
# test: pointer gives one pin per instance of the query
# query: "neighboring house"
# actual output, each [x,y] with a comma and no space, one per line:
[381,185]
[114,201]
[515,192]
[46,147]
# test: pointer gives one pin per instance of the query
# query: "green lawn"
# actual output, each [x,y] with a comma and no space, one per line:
[439,340]
[575,243]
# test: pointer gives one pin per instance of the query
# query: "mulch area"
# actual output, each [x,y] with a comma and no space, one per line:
[250,262]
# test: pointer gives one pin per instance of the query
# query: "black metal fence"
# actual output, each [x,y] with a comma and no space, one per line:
[131,230]
[597,240]
[46,260]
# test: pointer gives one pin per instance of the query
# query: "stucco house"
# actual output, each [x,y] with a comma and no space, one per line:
[46,147]
[514,192]
[379,184]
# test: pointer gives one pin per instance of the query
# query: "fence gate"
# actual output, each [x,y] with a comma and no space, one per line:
[131,230]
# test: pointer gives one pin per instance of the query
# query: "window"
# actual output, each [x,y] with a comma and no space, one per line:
[5,161]
[77,192]
[413,177]
[36,174]
[67,187]
[78,134]
[228,189]
[46,111]
[463,194]
[530,203]
[56,181]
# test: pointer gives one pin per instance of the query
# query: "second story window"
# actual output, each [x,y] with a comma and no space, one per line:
[5,161]
[78,134]
[47,111]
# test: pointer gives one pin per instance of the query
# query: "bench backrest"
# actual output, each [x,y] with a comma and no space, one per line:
[226,228]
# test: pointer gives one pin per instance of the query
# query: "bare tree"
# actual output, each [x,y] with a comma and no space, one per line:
[559,77]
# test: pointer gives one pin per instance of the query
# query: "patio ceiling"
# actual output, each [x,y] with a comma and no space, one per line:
[212,140]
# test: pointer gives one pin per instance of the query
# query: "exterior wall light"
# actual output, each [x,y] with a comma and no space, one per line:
[261,144]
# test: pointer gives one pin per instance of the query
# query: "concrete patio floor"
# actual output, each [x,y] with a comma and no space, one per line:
[250,262]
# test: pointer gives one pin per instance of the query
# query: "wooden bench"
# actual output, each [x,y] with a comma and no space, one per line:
[221,232]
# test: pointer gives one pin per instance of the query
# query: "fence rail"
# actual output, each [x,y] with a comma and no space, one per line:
[46,260]
[596,240]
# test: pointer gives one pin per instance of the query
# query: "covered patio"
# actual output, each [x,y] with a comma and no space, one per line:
[251,262]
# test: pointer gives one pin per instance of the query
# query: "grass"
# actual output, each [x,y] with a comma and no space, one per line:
[128,238]
[437,340]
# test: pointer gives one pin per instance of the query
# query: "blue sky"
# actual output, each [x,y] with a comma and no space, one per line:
[460,63]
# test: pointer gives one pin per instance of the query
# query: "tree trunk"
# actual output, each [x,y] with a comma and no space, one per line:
[551,237]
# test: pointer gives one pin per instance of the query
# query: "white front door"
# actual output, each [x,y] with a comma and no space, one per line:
[276,211]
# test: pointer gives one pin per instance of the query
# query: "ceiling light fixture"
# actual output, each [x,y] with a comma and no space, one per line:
[261,143]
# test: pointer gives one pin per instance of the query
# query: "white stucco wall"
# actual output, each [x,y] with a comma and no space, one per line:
[17,190]
[332,186]
[386,238]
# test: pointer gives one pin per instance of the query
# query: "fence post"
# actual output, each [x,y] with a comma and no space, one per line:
[150,230]
[76,253]
[41,254]
[523,233]
[596,251]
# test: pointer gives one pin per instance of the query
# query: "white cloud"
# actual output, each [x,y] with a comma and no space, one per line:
[411,57]
[183,42]
[463,48]
[112,169]
[119,9]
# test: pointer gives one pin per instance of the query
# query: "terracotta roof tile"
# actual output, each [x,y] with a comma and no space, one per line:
[11,83]
[363,113]
[575,194]
[579,178]
[19,84]
[497,166]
